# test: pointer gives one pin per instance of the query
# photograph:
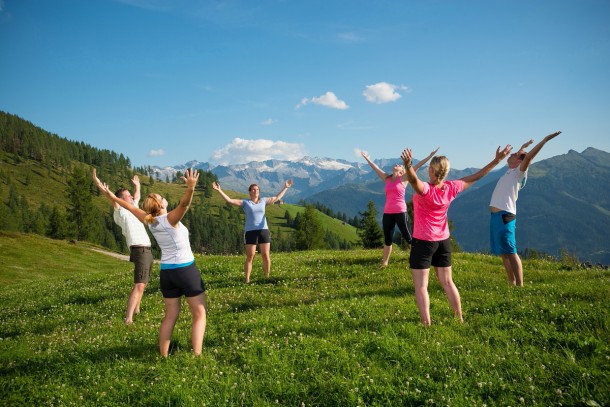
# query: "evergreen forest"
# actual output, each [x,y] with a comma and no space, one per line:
[46,189]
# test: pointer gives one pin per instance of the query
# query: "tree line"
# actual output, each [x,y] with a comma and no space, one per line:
[81,219]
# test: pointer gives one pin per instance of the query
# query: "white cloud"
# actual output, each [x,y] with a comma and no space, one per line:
[382,92]
[241,151]
[329,99]
[349,37]
[156,153]
[268,122]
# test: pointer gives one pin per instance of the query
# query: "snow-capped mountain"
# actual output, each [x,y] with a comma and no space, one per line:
[310,175]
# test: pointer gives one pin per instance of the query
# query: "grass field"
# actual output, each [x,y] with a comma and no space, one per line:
[327,328]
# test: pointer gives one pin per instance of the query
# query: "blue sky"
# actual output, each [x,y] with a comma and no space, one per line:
[169,81]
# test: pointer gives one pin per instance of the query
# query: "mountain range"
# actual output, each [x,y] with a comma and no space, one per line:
[563,208]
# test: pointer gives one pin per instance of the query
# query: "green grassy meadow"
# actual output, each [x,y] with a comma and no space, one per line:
[328,328]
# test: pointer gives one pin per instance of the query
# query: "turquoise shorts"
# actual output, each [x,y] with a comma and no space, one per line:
[502,233]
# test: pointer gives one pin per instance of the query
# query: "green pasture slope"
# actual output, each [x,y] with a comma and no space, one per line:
[328,328]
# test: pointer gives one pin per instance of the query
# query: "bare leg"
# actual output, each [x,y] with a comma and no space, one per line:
[451,291]
[387,251]
[265,249]
[172,310]
[250,252]
[514,269]
[420,281]
[133,303]
[198,309]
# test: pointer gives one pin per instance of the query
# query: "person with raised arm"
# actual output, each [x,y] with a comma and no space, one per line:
[256,230]
[431,244]
[140,253]
[179,275]
[503,208]
[395,208]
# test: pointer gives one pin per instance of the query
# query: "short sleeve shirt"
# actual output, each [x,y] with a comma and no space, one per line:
[131,227]
[255,214]
[507,189]
[430,210]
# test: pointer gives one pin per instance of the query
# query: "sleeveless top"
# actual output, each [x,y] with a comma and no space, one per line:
[173,241]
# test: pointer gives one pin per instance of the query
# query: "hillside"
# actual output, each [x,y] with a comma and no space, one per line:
[45,188]
[562,207]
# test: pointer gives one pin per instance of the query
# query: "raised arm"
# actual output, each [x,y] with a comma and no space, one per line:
[136,191]
[190,178]
[374,166]
[500,155]
[97,183]
[232,201]
[407,160]
[280,194]
[417,166]
[139,213]
[530,156]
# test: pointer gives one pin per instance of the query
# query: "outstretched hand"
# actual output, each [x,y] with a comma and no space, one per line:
[552,136]
[288,183]
[407,157]
[96,180]
[526,145]
[135,180]
[434,151]
[216,186]
[501,154]
[190,178]
[102,186]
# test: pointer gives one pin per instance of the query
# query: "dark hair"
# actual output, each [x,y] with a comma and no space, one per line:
[119,192]
[251,186]
[521,156]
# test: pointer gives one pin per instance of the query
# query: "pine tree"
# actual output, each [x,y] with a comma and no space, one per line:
[58,226]
[82,214]
[288,218]
[309,231]
[370,232]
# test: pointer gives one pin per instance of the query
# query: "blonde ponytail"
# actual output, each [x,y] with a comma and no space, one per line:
[152,207]
[440,168]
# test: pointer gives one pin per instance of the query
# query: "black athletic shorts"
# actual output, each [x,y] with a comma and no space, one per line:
[181,281]
[257,236]
[425,253]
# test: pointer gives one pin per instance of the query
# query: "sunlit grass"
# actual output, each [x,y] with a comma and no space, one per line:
[327,328]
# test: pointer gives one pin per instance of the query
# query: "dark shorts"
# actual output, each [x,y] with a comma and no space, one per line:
[502,226]
[257,236]
[142,259]
[181,281]
[425,253]
[389,221]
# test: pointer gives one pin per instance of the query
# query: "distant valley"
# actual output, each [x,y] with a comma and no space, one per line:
[562,207]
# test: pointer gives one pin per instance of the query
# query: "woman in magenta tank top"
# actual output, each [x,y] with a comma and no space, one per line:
[395,208]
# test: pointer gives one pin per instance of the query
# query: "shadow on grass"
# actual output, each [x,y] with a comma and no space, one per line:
[50,365]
